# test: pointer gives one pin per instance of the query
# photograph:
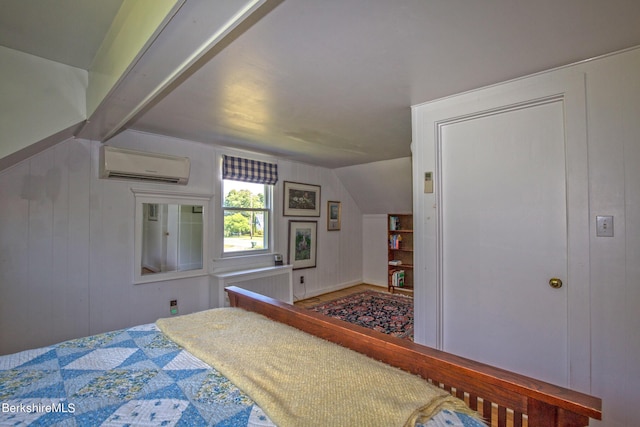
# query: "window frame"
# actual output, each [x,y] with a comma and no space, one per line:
[268,210]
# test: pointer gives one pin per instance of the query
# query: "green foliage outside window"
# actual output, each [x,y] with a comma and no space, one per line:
[236,224]
[242,222]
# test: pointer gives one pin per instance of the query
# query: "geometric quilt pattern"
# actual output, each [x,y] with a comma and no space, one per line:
[134,377]
[131,377]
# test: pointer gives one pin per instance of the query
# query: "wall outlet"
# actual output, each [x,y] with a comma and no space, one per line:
[173,307]
[301,279]
[604,226]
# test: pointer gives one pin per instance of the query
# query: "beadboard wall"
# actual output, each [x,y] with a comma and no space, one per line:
[374,247]
[66,242]
[339,253]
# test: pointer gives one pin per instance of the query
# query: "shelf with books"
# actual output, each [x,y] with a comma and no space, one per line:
[400,251]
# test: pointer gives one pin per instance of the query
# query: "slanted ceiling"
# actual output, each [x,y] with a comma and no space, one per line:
[324,83]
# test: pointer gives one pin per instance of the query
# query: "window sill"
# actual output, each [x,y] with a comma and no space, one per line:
[242,262]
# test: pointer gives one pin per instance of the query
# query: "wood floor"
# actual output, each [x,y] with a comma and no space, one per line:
[310,302]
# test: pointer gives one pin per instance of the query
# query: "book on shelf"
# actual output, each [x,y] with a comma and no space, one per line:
[395,262]
[397,278]
[394,241]
[394,223]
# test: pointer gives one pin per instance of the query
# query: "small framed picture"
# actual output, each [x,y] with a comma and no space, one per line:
[303,244]
[301,199]
[334,212]
[152,212]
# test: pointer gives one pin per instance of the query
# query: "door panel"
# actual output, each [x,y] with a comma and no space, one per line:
[488,125]
[504,235]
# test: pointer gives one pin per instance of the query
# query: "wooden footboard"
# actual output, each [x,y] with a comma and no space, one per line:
[496,393]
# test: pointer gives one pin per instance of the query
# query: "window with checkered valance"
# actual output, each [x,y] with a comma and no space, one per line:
[247,170]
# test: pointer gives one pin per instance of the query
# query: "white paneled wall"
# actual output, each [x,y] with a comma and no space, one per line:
[66,242]
[44,248]
[613,96]
[114,302]
[374,247]
[339,253]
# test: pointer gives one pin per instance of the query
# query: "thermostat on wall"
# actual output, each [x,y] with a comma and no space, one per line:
[428,182]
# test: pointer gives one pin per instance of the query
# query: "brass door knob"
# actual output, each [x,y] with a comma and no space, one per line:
[555,283]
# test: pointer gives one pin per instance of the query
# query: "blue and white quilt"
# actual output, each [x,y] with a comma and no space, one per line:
[130,377]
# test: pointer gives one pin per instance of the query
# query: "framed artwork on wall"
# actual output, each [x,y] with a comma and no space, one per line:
[301,199]
[302,244]
[334,213]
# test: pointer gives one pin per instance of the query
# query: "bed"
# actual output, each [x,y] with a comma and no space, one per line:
[503,397]
[143,376]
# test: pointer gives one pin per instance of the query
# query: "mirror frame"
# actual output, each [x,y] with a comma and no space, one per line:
[161,197]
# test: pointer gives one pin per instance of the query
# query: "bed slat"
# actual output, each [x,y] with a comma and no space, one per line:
[502,416]
[517,419]
[473,402]
[487,411]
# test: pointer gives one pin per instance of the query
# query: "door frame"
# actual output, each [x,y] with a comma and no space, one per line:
[428,118]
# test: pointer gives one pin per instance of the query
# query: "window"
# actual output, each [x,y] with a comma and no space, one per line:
[247,204]
[246,208]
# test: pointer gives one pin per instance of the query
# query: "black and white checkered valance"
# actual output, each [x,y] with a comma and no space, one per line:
[239,169]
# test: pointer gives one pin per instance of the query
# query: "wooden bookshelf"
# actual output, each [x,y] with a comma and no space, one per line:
[400,249]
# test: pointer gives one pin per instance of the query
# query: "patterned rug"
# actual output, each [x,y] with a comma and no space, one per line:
[391,314]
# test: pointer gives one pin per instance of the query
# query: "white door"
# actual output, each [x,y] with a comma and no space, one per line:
[504,237]
[509,213]
[172,236]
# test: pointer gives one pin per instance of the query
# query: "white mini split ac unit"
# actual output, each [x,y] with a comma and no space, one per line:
[119,163]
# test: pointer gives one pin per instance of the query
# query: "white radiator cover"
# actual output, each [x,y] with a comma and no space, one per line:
[275,282]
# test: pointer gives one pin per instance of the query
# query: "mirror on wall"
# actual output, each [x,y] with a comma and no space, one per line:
[170,237]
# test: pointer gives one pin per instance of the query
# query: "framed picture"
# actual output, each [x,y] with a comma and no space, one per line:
[303,244]
[334,212]
[301,199]
[152,212]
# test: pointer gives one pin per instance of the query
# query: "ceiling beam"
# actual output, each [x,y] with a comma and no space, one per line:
[192,35]
[134,28]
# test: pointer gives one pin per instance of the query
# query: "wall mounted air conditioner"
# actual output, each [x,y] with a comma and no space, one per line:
[119,163]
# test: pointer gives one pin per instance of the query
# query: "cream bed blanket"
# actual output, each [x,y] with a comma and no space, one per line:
[302,380]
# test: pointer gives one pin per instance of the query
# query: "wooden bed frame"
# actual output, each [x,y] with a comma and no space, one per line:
[498,394]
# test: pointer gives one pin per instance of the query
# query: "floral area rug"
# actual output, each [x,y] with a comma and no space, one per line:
[391,314]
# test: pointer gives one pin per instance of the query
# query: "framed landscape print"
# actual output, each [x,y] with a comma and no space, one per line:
[301,199]
[303,244]
[334,212]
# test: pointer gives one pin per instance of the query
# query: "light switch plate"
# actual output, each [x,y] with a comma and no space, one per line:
[604,226]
